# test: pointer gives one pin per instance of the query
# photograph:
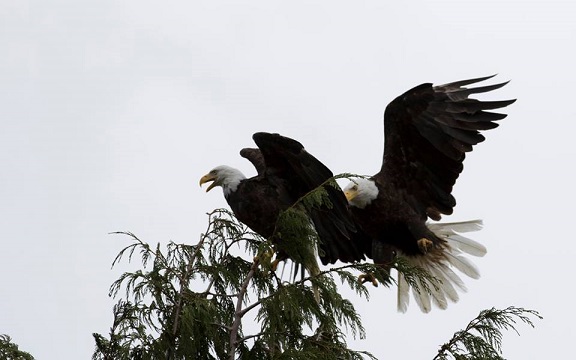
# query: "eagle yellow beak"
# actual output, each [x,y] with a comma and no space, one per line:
[207,178]
[350,194]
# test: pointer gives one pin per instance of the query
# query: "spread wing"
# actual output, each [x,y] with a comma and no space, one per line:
[256,158]
[428,131]
[287,159]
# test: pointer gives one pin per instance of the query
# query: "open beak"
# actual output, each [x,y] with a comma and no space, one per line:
[207,178]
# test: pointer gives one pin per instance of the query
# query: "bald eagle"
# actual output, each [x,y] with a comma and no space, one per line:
[286,173]
[427,132]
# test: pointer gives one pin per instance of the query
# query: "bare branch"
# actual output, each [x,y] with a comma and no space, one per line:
[238,315]
[250,337]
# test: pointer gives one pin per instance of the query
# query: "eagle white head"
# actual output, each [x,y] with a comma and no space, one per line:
[361,192]
[225,176]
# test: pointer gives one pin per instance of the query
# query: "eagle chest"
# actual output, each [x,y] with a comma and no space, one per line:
[257,207]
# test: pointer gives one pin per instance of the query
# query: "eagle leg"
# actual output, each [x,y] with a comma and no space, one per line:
[280,256]
[363,278]
[274,264]
[425,245]
[265,256]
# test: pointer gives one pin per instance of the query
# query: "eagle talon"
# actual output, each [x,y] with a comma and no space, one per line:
[264,258]
[424,245]
[368,277]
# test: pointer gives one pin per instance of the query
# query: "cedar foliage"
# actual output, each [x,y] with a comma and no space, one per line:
[10,351]
[482,337]
[219,299]
[161,316]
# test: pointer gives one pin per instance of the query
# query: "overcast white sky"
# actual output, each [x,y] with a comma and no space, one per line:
[111,111]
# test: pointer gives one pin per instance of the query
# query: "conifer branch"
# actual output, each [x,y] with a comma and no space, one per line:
[238,314]
[250,337]
[163,317]
[10,351]
[184,281]
[482,337]
[205,293]
[253,305]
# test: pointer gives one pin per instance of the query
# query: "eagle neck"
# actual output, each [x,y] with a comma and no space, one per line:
[367,192]
[231,181]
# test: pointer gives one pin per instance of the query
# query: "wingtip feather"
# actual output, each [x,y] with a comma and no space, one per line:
[466,82]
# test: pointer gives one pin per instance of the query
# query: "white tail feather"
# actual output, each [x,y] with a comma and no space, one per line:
[452,279]
[449,291]
[422,297]
[439,298]
[464,265]
[460,227]
[403,293]
[467,245]
[449,283]
[451,233]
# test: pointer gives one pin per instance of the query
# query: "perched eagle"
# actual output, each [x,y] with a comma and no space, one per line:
[427,132]
[286,173]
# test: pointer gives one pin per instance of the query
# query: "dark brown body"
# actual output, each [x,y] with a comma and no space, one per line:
[286,173]
[401,228]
